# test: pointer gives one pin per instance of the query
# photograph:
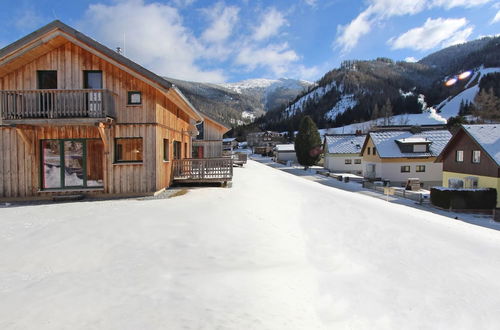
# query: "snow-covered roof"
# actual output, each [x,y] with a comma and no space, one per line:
[228,139]
[285,147]
[344,143]
[488,136]
[385,142]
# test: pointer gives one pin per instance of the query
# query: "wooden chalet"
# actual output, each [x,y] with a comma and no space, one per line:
[77,117]
[208,142]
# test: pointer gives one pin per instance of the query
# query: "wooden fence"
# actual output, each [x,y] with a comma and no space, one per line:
[203,170]
[56,103]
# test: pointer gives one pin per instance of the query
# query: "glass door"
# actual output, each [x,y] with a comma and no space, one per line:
[93,80]
[71,163]
[47,80]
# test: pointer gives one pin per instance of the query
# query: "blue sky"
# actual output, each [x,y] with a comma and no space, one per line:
[218,41]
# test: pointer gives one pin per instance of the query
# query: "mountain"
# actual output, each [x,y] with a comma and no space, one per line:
[389,92]
[241,102]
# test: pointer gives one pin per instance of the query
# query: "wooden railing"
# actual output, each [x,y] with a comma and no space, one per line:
[56,103]
[203,169]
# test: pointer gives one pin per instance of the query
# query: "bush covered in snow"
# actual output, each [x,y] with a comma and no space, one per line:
[464,198]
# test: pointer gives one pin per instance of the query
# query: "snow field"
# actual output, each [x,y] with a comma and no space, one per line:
[274,252]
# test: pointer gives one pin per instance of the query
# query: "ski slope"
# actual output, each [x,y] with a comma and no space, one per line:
[275,251]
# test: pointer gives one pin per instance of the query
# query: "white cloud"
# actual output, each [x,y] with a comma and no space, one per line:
[270,24]
[434,32]
[349,35]
[223,20]
[496,19]
[155,37]
[274,57]
[28,19]
[311,3]
[411,59]
[183,3]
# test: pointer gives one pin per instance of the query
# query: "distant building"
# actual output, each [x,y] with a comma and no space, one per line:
[399,153]
[265,139]
[471,159]
[343,153]
[208,143]
[285,153]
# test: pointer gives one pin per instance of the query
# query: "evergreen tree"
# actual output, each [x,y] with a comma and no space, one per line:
[387,112]
[375,112]
[307,143]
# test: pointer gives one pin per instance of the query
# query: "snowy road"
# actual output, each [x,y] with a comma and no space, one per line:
[274,252]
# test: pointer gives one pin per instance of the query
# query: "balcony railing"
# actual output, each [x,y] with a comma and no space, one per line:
[203,170]
[56,104]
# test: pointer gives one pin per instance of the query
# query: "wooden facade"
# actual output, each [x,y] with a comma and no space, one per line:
[208,143]
[28,117]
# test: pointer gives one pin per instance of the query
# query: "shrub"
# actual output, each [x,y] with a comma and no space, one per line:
[464,198]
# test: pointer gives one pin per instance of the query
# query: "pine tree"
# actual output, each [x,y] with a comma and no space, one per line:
[487,106]
[375,112]
[307,143]
[387,112]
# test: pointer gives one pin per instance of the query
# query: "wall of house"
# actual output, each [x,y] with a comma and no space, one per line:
[161,115]
[486,166]
[482,182]
[286,156]
[336,163]
[211,149]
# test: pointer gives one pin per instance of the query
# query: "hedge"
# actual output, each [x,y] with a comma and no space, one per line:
[464,198]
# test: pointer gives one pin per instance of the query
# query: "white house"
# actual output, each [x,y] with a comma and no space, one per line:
[402,152]
[343,153]
[285,153]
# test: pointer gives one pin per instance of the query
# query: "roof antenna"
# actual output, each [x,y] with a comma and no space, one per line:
[119,50]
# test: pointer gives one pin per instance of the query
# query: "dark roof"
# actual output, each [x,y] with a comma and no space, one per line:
[89,41]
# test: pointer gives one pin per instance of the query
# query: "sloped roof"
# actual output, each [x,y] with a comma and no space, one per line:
[285,147]
[385,142]
[153,78]
[344,143]
[488,137]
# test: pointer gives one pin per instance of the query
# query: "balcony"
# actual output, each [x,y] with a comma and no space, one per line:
[48,105]
[203,170]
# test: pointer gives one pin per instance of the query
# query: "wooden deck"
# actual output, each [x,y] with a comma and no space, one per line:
[203,170]
[19,105]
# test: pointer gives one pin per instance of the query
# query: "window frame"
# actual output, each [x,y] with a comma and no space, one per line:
[405,167]
[357,161]
[166,150]
[368,150]
[420,169]
[115,149]
[129,97]
[478,156]
[347,161]
[177,151]
[461,153]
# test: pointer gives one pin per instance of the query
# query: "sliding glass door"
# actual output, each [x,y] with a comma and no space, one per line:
[72,163]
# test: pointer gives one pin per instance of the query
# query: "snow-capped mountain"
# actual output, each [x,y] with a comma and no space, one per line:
[358,94]
[241,102]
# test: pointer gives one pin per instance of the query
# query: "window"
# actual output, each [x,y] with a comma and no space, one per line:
[374,151]
[201,131]
[348,161]
[419,148]
[368,151]
[166,150]
[357,161]
[420,168]
[459,156]
[405,169]
[476,156]
[134,98]
[128,150]
[198,151]
[92,79]
[177,150]
[47,79]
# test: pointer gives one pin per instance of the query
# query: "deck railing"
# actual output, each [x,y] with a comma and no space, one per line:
[56,103]
[203,169]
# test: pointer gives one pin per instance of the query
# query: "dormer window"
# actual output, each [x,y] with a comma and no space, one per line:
[413,145]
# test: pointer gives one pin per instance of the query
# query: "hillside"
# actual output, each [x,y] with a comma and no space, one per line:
[391,92]
[240,103]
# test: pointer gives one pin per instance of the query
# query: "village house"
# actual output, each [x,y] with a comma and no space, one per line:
[78,117]
[285,153]
[209,142]
[471,159]
[342,153]
[399,153]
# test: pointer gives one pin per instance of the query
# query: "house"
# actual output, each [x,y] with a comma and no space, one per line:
[399,153]
[285,153]
[208,142]
[77,117]
[229,145]
[265,139]
[343,153]
[471,159]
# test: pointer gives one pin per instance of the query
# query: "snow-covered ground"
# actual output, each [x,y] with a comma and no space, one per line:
[273,252]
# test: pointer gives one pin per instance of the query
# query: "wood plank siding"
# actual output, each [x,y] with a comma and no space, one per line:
[162,115]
